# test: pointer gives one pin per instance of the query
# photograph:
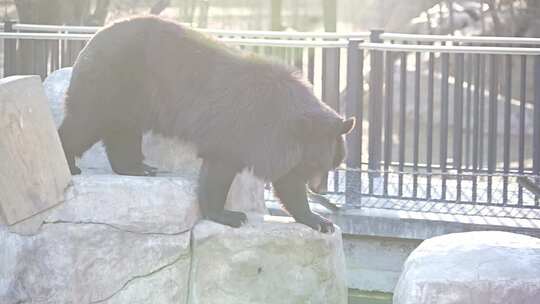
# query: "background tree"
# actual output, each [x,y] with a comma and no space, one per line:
[73,12]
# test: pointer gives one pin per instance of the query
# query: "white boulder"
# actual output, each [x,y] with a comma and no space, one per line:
[114,240]
[267,263]
[119,239]
[472,268]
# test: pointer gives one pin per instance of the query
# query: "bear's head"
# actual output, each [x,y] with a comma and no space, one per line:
[324,148]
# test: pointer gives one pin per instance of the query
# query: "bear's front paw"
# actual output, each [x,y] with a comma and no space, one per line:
[319,223]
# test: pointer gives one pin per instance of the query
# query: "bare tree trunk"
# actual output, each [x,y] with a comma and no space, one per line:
[100,13]
[330,15]
[497,27]
[159,7]
[33,56]
[73,12]
[276,23]
[451,23]
[399,16]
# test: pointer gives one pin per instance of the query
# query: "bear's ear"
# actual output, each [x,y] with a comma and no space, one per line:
[348,125]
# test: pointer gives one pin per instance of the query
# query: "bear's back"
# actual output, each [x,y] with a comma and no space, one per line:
[158,75]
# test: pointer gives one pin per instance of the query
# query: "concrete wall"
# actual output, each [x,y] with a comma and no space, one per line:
[378,241]
[375,263]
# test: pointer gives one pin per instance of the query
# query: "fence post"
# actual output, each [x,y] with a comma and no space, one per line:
[10,51]
[330,88]
[354,107]
[375,104]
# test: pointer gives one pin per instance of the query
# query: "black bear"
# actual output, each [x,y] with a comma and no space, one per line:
[238,111]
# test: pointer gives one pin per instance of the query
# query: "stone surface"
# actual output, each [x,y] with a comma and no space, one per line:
[170,156]
[34,170]
[472,268]
[136,204]
[90,263]
[116,239]
[268,262]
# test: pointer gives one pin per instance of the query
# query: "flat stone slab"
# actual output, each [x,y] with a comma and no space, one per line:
[138,204]
[267,262]
[472,268]
[34,170]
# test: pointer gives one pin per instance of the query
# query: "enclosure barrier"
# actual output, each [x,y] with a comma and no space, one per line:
[440,118]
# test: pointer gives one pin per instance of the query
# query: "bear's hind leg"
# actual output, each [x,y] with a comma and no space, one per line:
[124,150]
[214,182]
[291,190]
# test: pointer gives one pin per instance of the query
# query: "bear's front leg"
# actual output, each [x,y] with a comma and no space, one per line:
[291,190]
[215,179]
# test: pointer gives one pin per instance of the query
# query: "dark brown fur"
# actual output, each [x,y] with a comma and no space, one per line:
[239,111]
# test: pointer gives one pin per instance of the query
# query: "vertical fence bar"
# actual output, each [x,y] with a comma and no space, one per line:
[507,125]
[330,72]
[10,51]
[298,58]
[481,118]
[388,116]
[375,108]
[40,55]
[416,137]
[55,55]
[458,120]
[311,65]
[74,48]
[536,122]
[330,90]
[25,57]
[429,140]
[468,110]
[443,140]
[492,123]
[522,103]
[354,107]
[64,50]
[402,118]
[476,125]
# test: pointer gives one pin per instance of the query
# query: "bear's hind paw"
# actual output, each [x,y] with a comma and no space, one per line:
[229,218]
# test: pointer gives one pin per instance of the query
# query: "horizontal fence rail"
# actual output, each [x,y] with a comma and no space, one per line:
[440,119]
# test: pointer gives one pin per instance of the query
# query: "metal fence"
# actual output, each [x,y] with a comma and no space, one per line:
[440,118]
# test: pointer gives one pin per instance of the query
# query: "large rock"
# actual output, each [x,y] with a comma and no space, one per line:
[114,240]
[119,239]
[170,156]
[267,263]
[472,268]
[34,172]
